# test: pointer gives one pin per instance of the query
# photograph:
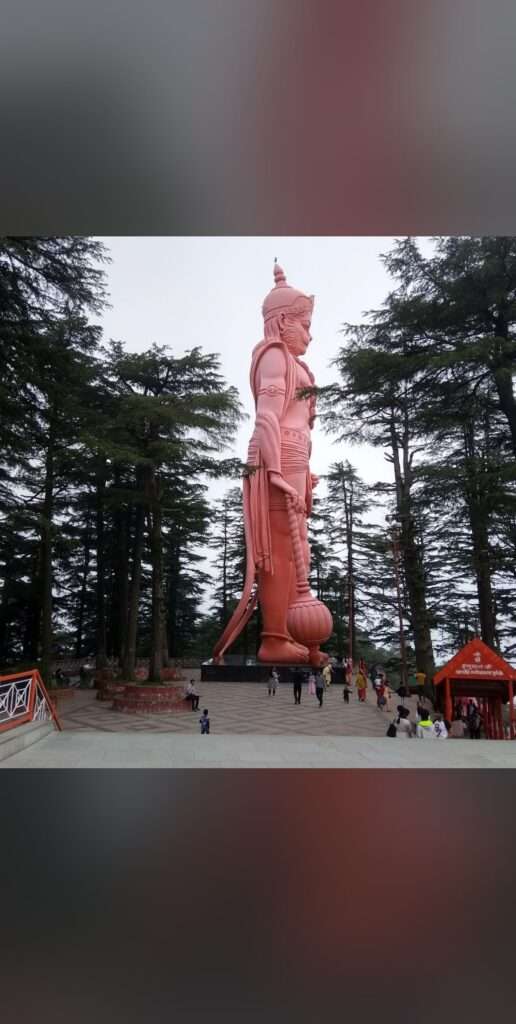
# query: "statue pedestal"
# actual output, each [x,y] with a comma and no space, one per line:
[258,673]
[151,700]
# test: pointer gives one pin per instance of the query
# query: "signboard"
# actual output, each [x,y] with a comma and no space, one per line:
[477,661]
[479,667]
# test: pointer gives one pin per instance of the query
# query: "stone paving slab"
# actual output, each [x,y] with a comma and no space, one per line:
[240,708]
[85,749]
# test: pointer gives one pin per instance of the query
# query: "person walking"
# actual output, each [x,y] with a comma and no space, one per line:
[327,675]
[272,681]
[380,694]
[377,681]
[387,693]
[475,724]
[361,685]
[346,691]
[298,683]
[204,722]
[319,688]
[470,718]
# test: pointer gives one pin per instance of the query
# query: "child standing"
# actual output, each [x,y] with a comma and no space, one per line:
[204,723]
[346,692]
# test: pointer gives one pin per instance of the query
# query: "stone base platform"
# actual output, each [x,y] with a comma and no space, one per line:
[232,673]
[151,700]
[110,691]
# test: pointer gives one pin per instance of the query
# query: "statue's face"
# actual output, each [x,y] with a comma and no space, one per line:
[295,332]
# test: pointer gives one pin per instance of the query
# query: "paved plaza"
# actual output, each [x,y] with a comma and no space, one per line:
[237,708]
[249,730]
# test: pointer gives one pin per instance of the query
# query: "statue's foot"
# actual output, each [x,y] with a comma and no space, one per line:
[282,651]
[318,658]
[303,651]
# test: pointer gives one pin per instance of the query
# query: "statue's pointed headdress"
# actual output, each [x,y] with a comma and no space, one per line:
[285,299]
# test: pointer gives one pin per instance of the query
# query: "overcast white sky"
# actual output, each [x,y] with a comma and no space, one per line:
[183,292]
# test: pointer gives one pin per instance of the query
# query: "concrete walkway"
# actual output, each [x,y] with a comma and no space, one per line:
[89,749]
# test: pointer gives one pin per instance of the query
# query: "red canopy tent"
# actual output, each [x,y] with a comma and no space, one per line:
[480,673]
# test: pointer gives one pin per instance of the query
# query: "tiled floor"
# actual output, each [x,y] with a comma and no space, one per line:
[238,708]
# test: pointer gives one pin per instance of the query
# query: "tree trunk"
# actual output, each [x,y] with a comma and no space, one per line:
[33,623]
[505,390]
[503,373]
[84,587]
[347,493]
[101,658]
[259,627]
[46,553]
[129,655]
[224,616]
[411,559]
[172,609]
[165,655]
[4,613]
[154,528]
[120,589]
[482,566]
[475,499]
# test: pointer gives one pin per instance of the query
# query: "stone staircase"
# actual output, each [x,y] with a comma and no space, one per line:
[23,736]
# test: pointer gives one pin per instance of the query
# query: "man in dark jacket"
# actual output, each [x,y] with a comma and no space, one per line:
[298,677]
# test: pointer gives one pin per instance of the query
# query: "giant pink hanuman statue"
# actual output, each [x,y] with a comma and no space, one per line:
[278,490]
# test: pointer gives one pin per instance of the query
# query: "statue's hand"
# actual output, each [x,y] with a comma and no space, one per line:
[282,485]
[314,479]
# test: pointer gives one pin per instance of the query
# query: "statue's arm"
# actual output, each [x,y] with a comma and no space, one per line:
[271,384]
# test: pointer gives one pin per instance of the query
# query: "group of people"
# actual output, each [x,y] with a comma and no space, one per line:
[318,680]
[467,722]
[379,682]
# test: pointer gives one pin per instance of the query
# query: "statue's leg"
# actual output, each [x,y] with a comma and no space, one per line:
[303,536]
[274,596]
[317,657]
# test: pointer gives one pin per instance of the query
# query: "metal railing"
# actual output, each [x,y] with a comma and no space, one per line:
[23,698]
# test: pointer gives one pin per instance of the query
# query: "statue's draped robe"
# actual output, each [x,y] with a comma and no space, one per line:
[256,489]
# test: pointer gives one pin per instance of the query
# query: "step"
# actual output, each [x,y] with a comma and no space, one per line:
[23,736]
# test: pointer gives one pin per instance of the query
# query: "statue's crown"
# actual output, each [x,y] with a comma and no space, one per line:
[284,298]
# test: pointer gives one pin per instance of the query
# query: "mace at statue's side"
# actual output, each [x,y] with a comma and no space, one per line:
[277,493]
